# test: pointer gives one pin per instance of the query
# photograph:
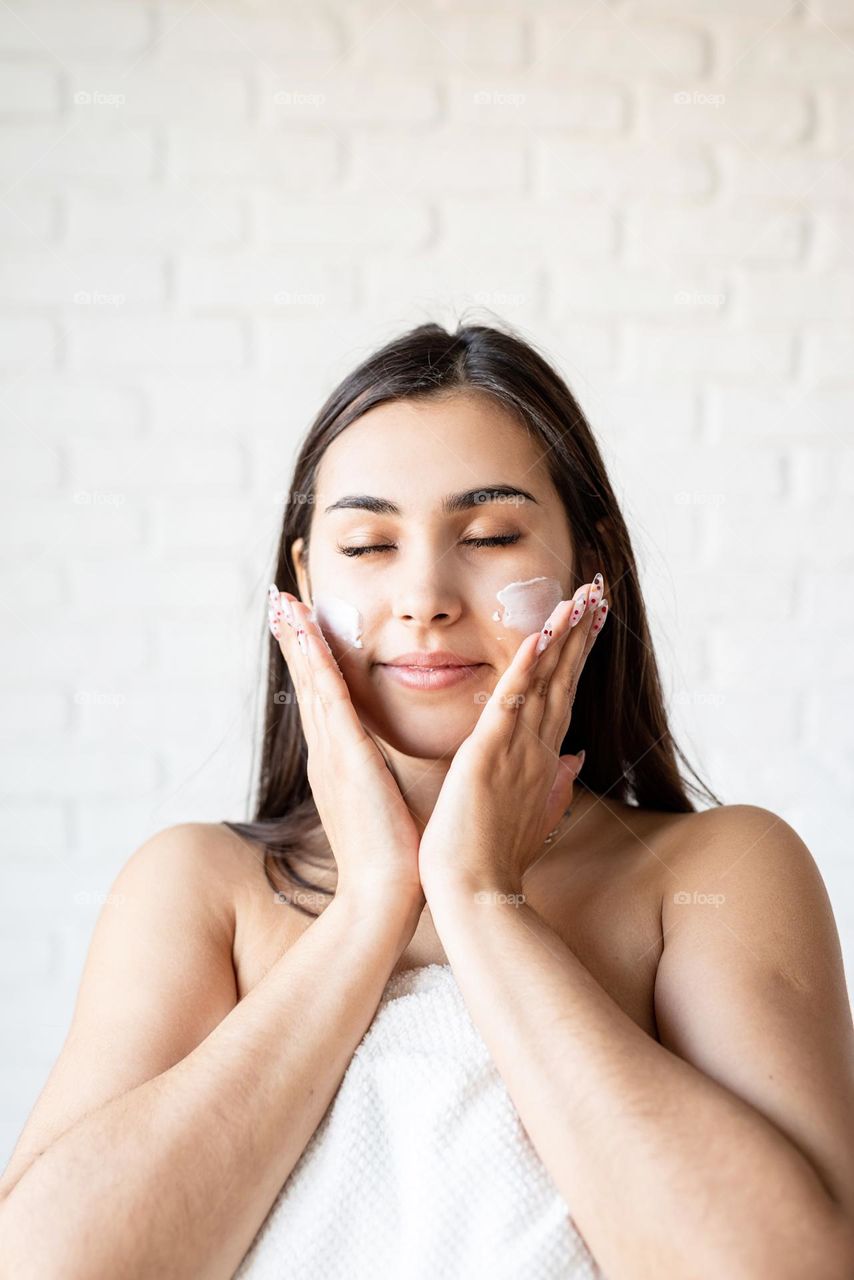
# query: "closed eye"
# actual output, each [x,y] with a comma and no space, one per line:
[500,540]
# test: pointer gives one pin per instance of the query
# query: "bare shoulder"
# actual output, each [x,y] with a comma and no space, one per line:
[743,846]
[751,986]
[232,863]
[157,979]
[203,860]
[708,827]
[748,865]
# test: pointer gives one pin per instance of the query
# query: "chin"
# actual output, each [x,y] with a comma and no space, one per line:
[424,734]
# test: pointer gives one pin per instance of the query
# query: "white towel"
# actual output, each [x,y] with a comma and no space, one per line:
[420,1168]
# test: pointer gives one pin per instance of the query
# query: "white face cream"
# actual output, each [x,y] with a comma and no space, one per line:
[527,605]
[340,618]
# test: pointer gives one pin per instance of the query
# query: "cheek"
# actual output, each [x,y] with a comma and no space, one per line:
[526,605]
[339,618]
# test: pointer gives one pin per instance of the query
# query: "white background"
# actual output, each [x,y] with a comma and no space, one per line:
[211,211]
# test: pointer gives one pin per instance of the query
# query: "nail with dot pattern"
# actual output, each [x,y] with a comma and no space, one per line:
[301,640]
[599,619]
[544,641]
[286,610]
[596,588]
[579,604]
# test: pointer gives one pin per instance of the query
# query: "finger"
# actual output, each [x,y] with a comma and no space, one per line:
[518,700]
[560,796]
[275,616]
[597,622]
[562,621]
[560,714]
[599,617]
[284,630]
[567,667]
[598,614]
[497,721]
[597,591]
[561,632]
[556,632]
[327,685]
[559,800]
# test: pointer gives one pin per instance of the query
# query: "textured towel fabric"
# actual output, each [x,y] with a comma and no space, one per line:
[420,1168]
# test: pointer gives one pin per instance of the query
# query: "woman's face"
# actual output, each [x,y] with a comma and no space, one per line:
[431,587]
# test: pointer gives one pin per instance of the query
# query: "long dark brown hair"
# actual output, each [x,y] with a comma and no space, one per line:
[618,714]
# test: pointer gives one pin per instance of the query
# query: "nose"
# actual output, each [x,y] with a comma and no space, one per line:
[426,597]
[424,608]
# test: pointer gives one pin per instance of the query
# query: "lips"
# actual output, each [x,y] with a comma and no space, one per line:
[431,659]
[431,678]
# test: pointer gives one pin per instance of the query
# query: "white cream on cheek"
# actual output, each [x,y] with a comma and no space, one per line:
[340,618]
[525,607]
[527,604]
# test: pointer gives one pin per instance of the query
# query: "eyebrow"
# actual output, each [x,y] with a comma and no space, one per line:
[451,504]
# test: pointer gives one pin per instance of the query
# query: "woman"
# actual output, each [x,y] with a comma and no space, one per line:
[445,1007]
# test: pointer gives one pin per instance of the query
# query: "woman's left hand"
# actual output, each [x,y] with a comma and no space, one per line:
[507,786]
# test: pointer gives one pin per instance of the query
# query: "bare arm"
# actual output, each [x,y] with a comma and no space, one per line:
[173,1176]
[726,1149]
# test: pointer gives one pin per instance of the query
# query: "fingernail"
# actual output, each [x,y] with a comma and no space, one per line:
[285,606]
[301,640]
[582,753]
[579,602]
[599,620]
[273,609]
[544,640]
[597,586]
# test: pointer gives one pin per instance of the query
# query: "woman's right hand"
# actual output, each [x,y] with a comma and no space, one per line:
[370,830]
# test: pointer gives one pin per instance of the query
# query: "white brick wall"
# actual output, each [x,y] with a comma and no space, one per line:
[209,212]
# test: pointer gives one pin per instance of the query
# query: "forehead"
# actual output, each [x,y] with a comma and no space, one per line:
[423,449]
